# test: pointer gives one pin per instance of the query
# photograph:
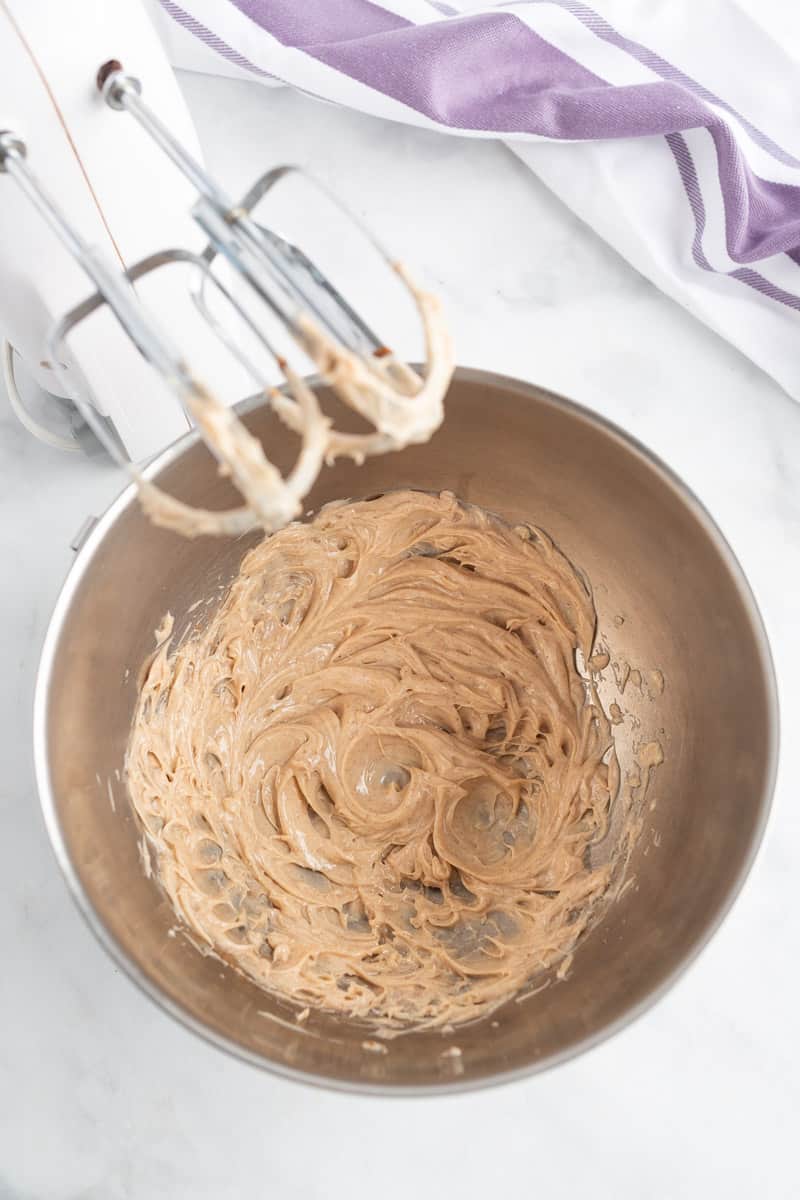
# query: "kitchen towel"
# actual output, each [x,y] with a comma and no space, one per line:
[672,127]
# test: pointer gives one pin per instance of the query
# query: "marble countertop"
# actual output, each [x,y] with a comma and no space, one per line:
[105,1097]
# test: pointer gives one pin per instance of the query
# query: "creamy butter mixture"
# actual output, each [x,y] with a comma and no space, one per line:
[377,782]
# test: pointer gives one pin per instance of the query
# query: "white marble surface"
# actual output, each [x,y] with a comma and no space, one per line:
[103,1096]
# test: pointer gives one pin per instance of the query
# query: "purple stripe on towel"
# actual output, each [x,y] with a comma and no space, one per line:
[691,185]
[759,224]
[762,218]
[488,72]
[210,39]
[648,58]
[304,23]
[745,275]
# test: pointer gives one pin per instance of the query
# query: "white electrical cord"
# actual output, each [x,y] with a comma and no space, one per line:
[20,411]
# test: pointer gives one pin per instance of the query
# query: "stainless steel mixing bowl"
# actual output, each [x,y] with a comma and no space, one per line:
[656,560]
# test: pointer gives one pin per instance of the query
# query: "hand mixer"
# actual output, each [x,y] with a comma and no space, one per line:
[286,285]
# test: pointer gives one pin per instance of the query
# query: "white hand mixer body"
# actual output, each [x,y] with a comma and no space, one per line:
[114,190]
[401,406]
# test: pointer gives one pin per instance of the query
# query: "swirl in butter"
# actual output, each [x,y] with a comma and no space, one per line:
[377,782]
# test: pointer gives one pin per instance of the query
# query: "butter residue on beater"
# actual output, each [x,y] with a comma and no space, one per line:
[404,408]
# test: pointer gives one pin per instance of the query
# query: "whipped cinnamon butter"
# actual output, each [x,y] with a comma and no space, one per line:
[377,782]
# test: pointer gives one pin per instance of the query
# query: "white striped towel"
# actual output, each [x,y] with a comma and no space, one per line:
[669,126]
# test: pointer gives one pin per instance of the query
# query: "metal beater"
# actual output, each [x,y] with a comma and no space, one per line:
[278,273]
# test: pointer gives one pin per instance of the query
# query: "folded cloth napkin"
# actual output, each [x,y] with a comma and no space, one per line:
[669,126]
